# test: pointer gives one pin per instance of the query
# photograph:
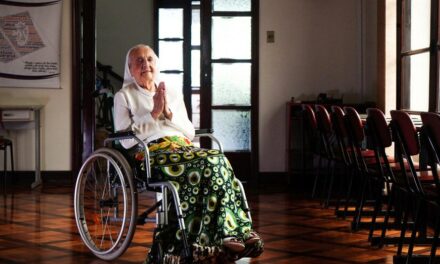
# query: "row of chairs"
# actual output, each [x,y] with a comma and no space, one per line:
[404,187]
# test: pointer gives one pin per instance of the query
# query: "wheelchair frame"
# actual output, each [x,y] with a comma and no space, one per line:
[107,179]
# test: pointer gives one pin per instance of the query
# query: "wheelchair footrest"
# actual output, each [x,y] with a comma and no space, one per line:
[144,220]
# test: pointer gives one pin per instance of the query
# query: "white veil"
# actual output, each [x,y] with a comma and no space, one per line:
[128,78]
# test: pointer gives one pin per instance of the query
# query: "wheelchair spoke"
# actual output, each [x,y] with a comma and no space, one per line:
[105,204]
[105,228]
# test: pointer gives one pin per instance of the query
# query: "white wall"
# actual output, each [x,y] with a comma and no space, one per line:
[55,116]
[318,48]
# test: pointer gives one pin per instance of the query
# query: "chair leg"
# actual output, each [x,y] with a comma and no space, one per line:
[404,224]
[377,210]
[324,185]
[12,162]
[330,186]
[387,217]
[317,176]
[359,208]
[417,223]
[341,188]
[348,195]
[435,239]
[5,167]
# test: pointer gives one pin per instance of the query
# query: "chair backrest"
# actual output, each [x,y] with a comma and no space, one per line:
[354,125]
[323,119]
[325,130]
[356,136]
[337,117]
[431,134]
[310,129]
[407,131]
[338,121]
[379,137]
[309,116]
[377,125]
[431,125]
[407,145]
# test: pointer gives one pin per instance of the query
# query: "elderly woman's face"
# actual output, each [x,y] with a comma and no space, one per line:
[143,66]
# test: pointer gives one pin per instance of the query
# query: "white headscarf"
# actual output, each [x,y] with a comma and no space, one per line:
[128,78]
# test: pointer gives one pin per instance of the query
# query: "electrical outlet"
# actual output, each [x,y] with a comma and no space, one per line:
[270,36]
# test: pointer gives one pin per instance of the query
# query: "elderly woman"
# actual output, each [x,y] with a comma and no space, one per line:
[211,199]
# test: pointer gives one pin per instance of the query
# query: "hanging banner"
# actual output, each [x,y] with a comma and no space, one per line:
[30,43]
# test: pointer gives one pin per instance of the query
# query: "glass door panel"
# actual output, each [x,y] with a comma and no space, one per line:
[195,101]
[172,80]
[232,5]
[195,69]
[170,23]
[231,84]
[195,27]
[231,37]
[171,57]
[232,128]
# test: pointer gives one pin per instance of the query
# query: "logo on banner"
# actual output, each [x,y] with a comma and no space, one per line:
[18,36]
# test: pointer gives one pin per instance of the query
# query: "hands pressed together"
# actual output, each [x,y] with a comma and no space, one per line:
[160,103]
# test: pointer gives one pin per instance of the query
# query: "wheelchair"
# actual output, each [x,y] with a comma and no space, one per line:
[106,202]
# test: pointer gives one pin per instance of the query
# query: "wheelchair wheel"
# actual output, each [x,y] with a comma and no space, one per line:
[105,203]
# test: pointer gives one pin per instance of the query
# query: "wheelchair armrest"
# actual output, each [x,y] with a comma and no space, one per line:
[125,135]
[207,132]
[132,135]
[204,131]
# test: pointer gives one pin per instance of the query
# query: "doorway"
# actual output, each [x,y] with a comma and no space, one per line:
[209,48]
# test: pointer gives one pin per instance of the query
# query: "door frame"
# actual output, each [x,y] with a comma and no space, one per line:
[206,94]
[83,82]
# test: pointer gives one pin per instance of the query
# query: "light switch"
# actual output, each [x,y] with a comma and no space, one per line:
[270,36]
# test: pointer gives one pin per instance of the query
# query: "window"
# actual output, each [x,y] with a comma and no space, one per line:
[417,64]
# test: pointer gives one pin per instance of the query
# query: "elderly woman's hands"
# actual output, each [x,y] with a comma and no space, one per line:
[160,103]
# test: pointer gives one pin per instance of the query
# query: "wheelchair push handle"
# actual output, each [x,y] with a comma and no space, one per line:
[123,134]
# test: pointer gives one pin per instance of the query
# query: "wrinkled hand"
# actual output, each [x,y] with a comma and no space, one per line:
[158,101]
[166,110]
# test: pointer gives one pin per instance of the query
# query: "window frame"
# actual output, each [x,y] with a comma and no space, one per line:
[434,51]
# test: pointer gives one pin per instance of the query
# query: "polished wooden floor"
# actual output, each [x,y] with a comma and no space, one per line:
[38,226]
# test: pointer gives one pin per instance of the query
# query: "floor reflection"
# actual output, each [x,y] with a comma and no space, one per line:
[38,226]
